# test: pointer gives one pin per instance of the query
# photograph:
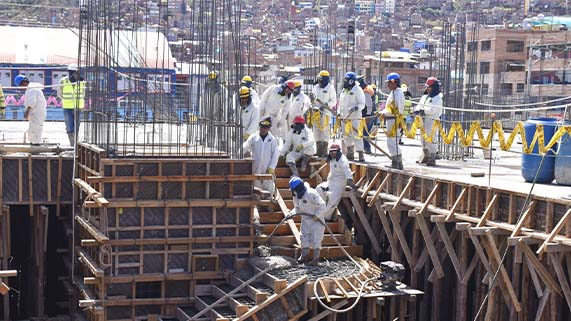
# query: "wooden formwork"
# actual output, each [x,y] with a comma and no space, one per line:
[455,234]
[153,230]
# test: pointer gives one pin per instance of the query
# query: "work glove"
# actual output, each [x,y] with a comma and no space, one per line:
[299,148]
[422,113]
[350,184]
[293,211]
[270,170]
[245,136]
[353,109]
[315,218]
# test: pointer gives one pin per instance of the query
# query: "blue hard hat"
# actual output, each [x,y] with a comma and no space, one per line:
[18,79]
[351,75]
[295,182]
[393,76]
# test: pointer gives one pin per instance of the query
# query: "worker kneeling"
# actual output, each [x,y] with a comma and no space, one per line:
[299,144]
[311,207]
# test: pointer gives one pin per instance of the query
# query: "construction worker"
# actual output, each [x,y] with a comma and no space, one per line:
[35,111]
[307,201]
[264,149]
[407,109]
[247,82]
[299,144]
[273,103]
[300,102]
[250,112]
[351,105]
[71,92]
[340,176]
[325,99]
[393,108]
[430,108]
[367,112]
[2,104]
[214,107]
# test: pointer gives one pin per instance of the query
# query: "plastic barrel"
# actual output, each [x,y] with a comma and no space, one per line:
[530,162]
[563,163]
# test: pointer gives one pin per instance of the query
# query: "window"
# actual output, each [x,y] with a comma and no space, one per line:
[485,67]
[520,88]
[506,89]
[472,46]
[56,76]
[471,68]
[485,88]
[512,66]
[514,46]
[486,45]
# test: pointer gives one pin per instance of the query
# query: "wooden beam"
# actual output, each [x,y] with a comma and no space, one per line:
[481,253]
[556,262]
[523,219]
[326,313]
[535,278]
[555,231]
[379,189]
[400,235]
[286,212]
[450,248]
[387,228]
[8,273]
[403,193]
[84,258]
[539,268]
[92,229]
[374,242]
[429,199]
[488,212]
[542,304]
[371,184]
[91,192]
[420,221]
[459,201]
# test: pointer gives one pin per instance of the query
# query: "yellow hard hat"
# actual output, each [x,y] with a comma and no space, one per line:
[374,86]
[246,79]
[244,92]
[213,75]
[297,83]
[324,73]
[404,87]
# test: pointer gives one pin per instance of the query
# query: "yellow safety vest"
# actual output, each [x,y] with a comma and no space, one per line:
[73,94]
[2,98]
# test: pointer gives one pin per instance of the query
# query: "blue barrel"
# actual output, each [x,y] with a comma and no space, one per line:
[563,160]
[530,162]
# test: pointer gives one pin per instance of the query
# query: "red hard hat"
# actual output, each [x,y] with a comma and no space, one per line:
[290,84]
[334,147]
[431,81]
[298,120]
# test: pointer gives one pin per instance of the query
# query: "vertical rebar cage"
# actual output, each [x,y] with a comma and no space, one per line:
[144,99]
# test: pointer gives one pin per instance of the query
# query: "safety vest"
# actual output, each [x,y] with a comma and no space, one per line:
[73,94]
[2,98]
[407,106]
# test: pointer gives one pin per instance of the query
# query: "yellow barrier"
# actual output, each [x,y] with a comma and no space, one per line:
[465,138]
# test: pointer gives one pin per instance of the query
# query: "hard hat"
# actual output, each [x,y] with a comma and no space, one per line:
[244,92]
[335,147]
[246,79]
[374,86]
[324,73]
[213,75]
[431,81]
[298,120]
[295,182]
[72,67]
[266,122]
[18,79]
[404,87]
[351,75]
[297,83]
[393,76]
[290,84]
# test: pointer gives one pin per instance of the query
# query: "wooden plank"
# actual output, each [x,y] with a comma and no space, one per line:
[430,245]
[469,270]
[84,258]
[450,248]
[380,189]
[324,290]
[488,212]
[91,192]
[555,231]
[523,219]
[535,279]
[539,268]
[286,212]
[556,262]
[400,234]
[459,201]
[371,184]
[388,232]
[542,304]
[481,253]
[8,273]
[58,187]
[403,193]
[173,178]
[424,207]
[92,229]
[361,214]
[326,313]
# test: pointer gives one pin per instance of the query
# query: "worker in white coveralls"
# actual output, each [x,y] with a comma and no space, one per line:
[351,104]
[300,102]
[298,144]
[394,107]
[250,112]
[339,177]
[247,81]
[324,99]
[430,108]
[274,101]
[35,110]
[264,148]
[306,200]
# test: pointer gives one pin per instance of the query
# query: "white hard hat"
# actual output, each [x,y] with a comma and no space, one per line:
[72,67]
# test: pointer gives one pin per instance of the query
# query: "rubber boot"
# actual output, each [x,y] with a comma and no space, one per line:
[431,160]
[71,137]
[424,158]
[350,153]
[315,258]
[322,149]
[304,256]
[304,163]
[293,169]
[396,162]
[361,157]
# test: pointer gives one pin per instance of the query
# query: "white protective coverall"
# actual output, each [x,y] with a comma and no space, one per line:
[293,140]
[273,105]
[265,155]
[311,231]
[250,119]
[348,99]
[327,96]
[432,107]
[255,96]
[332,189]
[395,98]
[34,98]
[298,107]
